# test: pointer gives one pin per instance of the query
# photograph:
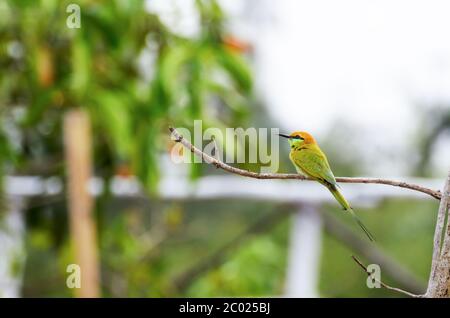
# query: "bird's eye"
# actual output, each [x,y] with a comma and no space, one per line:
[299,137]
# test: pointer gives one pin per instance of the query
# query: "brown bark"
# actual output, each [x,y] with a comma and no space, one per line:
[439,282]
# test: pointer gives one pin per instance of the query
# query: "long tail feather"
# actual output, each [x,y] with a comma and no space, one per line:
[343,202]
[361,224]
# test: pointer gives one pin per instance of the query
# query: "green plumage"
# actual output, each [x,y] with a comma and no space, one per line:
[310,161]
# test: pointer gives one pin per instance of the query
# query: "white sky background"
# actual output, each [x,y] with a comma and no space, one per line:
[370,65]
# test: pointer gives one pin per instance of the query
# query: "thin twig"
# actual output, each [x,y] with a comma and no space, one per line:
[373,254]
[385,285]
[245,173]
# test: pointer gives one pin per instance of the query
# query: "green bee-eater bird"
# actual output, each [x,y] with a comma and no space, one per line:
[310,161]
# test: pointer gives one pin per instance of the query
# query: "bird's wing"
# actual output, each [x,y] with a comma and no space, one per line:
[314,163]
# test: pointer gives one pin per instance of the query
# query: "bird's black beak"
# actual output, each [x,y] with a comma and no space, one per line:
[285,136]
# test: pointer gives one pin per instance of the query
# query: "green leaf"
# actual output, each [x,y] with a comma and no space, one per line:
[237,68]
[81,67]
[112,113]
[171,67]
[145,158]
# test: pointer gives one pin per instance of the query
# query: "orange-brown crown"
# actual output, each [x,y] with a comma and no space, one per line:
[308,139]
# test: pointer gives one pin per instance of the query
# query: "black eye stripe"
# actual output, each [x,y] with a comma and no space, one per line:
[299,137]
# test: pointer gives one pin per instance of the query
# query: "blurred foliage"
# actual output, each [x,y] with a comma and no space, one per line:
[144,247]
[48,69]
[434,123]
[135,77]
[142,252]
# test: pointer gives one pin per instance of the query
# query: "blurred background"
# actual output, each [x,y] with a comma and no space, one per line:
[84,143]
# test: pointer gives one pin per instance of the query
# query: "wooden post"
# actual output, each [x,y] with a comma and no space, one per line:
[77,139]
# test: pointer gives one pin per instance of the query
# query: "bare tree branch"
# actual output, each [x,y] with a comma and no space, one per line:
[245,173]
[385,285]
